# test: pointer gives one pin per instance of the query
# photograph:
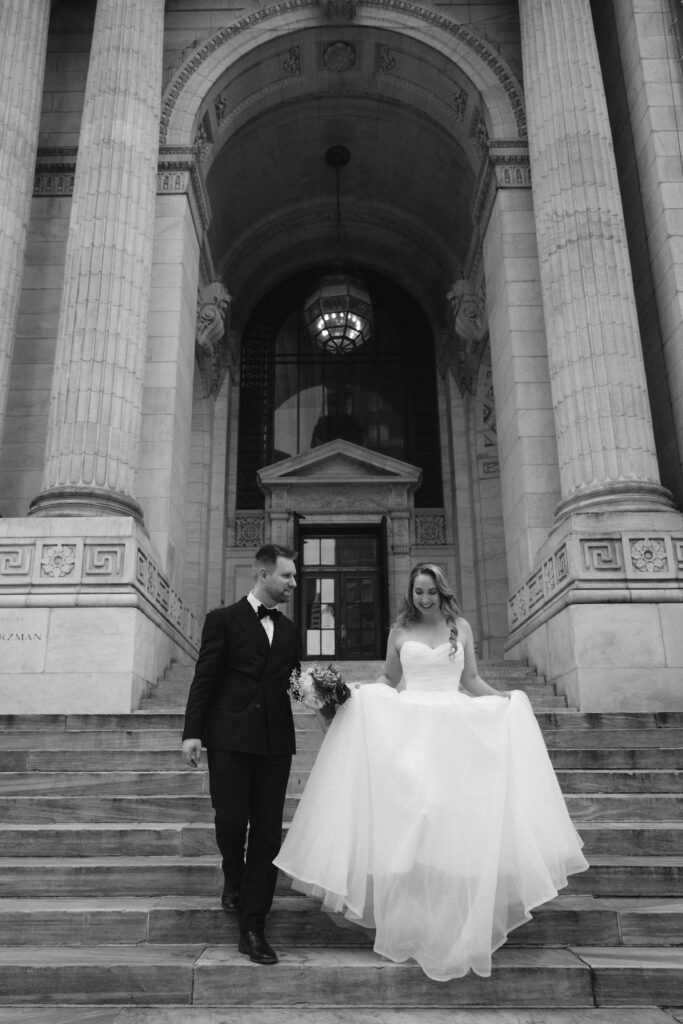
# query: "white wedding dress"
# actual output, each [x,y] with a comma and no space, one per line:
[433,817]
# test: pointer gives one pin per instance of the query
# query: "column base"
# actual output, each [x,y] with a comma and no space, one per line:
[84,501]
[602,615]
[88,623]
[617,497]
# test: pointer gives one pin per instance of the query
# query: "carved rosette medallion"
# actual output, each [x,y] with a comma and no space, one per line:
[339,56]
[58,560]
[649,555]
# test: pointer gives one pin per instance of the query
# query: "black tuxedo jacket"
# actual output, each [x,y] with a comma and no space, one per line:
[238,697]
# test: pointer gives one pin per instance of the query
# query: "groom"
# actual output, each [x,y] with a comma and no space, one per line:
[238,708]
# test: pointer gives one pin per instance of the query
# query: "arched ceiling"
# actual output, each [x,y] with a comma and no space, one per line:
[415,129]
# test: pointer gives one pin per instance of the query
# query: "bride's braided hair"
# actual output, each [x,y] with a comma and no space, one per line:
[408,614]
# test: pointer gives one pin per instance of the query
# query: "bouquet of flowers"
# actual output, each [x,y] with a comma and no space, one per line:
[318,688]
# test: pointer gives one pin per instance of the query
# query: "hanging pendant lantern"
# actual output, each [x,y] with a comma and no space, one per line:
[338,314]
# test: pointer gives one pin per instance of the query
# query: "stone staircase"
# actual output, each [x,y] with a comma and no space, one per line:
[109,884]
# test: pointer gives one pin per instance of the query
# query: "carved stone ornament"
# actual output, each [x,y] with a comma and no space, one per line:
[469,330]
[213,353]
[649,555]
[339,57]
[340,10]
[58,560]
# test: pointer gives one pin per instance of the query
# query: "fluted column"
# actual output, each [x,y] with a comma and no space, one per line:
[95,407]
[605,439]
[23,42]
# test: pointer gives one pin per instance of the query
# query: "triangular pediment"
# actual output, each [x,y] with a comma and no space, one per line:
[339,461]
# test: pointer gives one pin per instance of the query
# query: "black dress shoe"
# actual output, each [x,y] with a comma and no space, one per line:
[230,899]
[258,950]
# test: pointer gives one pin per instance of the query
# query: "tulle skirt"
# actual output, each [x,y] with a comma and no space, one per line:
[436,820]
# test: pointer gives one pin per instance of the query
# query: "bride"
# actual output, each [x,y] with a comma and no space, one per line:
[429,816]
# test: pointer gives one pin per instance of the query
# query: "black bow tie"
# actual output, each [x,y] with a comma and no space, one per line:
[264,612]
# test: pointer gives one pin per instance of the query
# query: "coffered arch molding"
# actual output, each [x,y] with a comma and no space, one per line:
[500,92]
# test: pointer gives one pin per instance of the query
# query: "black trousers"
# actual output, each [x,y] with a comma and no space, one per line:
[248,795]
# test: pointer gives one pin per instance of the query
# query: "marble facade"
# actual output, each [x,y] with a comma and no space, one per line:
[174,156]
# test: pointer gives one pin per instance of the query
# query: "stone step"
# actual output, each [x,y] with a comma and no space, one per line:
[139,839]
[97,759]
[20,809]
[120,759]
[608,875]
[607,758]
[173,721]
[297,921]
[335,977]
[190,781]
[97,1014]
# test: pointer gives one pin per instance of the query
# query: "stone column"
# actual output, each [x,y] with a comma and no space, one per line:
[605,440]
[95,409]
[23,42]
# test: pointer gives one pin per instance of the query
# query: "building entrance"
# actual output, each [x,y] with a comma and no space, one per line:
[341,592]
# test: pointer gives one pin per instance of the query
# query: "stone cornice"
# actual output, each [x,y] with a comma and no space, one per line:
[179,172]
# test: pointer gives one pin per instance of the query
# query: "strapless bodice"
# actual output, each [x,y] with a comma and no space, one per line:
[431,668]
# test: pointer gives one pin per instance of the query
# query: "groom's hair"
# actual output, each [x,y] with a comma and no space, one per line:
[269,554]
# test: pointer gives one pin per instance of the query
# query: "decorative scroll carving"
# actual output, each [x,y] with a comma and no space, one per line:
[478,132]
[203,140]
[249,529]
[385,62]
[211,342]
[649,555]
[430,528]
[469,331]
[292,62]
[58,560]
[460,98]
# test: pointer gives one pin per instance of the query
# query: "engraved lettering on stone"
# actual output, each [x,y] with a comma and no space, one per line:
[21,637]
[339,56]
[103,560]
[649,555]
[603,555]
[16,560]
[58,561]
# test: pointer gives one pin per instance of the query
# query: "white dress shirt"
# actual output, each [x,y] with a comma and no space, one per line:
[266,622]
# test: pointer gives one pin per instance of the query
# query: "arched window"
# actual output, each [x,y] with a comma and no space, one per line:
[295,397]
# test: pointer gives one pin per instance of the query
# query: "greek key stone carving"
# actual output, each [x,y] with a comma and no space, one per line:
[649,555]
[249,530]
[430,528]
[16,560]
[103,560]
[602,554]
[536,589]
[58,560]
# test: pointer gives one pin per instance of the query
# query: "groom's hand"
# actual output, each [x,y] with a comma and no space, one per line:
[192,751]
